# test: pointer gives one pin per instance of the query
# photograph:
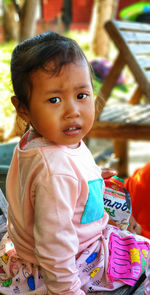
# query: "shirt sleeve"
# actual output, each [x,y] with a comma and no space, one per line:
[56,241]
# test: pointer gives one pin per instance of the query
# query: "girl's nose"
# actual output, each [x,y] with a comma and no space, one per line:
[72,110]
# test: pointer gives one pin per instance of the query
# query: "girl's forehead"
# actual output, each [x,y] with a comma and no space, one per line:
[55,68]
[70,75]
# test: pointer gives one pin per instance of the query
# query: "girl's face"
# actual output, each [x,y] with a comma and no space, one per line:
[62,106]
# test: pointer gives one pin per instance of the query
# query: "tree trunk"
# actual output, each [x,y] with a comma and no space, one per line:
[103,10]
[10,24]
[26,11]
[25,27]
[28,20]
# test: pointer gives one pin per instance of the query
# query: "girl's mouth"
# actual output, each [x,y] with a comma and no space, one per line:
[70,131]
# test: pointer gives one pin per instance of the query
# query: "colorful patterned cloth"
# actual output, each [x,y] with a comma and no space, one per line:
[115,259]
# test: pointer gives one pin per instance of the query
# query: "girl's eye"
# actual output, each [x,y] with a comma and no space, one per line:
[81,95]
[54,99]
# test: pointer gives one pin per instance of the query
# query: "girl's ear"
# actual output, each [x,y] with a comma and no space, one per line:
[21,110]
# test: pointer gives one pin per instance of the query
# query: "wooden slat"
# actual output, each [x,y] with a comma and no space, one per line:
[146,120]
[120,131]
[132,26]
[110,112]
[126,113]
[128,54]
[140,49]
[141,119]
[147,73]
[136,37]
[144,61]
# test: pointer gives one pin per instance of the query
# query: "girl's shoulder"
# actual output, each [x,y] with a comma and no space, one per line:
[56,159]
[31,140]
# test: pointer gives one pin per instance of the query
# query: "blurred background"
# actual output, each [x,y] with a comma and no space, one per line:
[82,20]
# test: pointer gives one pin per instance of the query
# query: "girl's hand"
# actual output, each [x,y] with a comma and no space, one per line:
[108,172]
[134,227]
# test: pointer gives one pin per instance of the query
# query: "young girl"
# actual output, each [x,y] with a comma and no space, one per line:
[62,243]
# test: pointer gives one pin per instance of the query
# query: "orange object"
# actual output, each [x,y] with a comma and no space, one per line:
[138,185]
[51,9]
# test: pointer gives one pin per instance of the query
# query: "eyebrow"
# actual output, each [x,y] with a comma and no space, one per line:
[56,90]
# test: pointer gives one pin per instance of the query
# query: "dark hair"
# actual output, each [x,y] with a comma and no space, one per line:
[35,53]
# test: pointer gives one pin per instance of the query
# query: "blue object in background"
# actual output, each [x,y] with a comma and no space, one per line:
[6,153]
[131,12]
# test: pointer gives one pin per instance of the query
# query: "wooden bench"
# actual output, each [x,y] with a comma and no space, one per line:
[3,214]
[130,120]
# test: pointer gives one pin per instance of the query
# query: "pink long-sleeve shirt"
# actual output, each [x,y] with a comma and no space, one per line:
[55,196]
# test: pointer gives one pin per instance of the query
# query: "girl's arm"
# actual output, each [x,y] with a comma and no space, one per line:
[108,172]
[134,227]
[56,241]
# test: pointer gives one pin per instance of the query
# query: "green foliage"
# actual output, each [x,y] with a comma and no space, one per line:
[96,86]
[7,1]
[82,39]
[6,92]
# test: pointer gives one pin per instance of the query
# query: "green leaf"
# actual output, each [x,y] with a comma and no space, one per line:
[7,1]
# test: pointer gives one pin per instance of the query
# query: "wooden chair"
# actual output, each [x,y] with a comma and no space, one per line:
[3,215]
[131,120]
